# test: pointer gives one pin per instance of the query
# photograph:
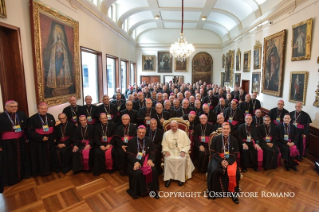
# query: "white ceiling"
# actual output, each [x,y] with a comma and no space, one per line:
[225,18]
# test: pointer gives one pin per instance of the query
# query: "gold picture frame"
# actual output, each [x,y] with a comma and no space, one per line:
[148,63]
[229,68]
[273,69]
[223,61]
[3,10]
[255,82]
[238,60]
[56,79]
[298,86]
[257,55]
[181,66]
[247,59]
[301,40]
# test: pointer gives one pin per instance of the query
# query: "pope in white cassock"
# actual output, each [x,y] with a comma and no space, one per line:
[177,164]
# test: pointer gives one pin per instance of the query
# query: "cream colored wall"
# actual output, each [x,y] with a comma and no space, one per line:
[305,11]
[94,34]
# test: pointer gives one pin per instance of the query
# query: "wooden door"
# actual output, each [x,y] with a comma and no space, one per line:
[245,85]
[150,79]
[12,78]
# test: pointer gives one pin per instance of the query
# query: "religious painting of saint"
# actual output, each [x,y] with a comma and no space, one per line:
[247,56]
[255,86]
[298,86]
[273,63]
[257,55]
[3,10]
[223,61]
[222,78]
[229,67]
[202,67]
[148,62]
[165,62]
[181,66]
[237,79]
[238,60]
[56,55]
[301,37]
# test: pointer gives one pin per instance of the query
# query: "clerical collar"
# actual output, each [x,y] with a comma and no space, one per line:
[247,125]
[140,139]
[84,126]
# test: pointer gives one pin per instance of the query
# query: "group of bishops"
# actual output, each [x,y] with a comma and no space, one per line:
[128,136]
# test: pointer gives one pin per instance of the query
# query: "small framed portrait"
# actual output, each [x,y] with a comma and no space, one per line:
[298,86]
[238,60]
[223,61]
[255,85]
[149,62]
[237,79]
[301,40]
[247,56]
[222,78]
[257,55]
[181,66]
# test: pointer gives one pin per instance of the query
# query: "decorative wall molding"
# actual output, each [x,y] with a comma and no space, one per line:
[168,45]
[69,4]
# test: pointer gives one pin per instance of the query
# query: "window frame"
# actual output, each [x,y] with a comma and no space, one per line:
[127,73]
[116,73]
[99,66]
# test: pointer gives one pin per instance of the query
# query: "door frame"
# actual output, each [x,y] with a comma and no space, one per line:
[243,80]
[149,76]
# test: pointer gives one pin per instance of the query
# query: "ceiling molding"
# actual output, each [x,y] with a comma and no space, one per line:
[230,15]
[168,45]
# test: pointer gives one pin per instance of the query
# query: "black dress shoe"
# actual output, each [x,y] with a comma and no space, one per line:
[287,166]
[167,183]
[244,170]
[235,200]
[180,183]
[256,169]
[137,197]
[294,168]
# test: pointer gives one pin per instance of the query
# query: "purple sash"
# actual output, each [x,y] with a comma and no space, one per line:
[206,139]
[41,132]
[293,150]
[85,155]
[147,171]
[260,155]
[92,122]
[12,135]
[108,159]
[63,139]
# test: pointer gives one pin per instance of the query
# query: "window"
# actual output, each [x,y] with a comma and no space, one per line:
[132,74]
[91,72]
[123,75]
[110,12]
[110,76]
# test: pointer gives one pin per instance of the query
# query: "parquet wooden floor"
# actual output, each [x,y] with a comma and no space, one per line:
[84,192]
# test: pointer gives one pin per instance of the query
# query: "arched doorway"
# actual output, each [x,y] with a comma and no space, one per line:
[202,67]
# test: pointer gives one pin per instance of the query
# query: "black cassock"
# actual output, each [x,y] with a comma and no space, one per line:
[212,101]
[220,109]
[282,143]
[181,111]
[118,103]
[201,137]
[172,113]
[217,176]
[257,121]
[256,104]
[268,134]
[246,107]
[132,113]
[303,121]
[110,110]
[14,159]
[63,156]
[158,117]
[138,104]
[144,112]
[73,113]
[217,126]
[238,118]
[156,136]
[275,113]
[121,156]
[41,152]
[212,117]
[100,159]
[140,184]
[83,159]
[248,157]
[91,113]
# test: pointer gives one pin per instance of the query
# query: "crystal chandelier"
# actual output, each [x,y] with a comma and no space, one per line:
[181,50]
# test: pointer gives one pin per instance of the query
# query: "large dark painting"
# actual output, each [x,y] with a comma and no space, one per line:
[164,62]
[273,63]
[202,67]
[56,52]
[229,68]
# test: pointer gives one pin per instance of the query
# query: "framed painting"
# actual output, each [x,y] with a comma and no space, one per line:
[237,79]
[255,85]
[56,55]
[273,64]
[223,61]
[202,67]
[165,62]
[181,66]
[298,86]
[149,62]
[238,60]
[257,55]
[222,77]
[229,68]
[301,40]
[3,10]
[176,78]
[247,56]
